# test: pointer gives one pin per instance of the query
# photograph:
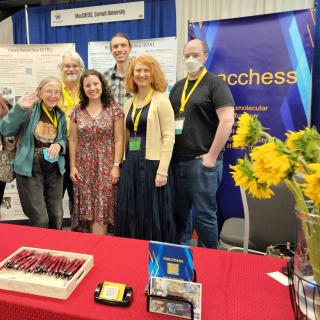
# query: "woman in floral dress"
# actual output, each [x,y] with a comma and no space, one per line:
[96,150]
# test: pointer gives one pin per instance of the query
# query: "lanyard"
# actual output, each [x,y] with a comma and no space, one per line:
[136,120]
[54,119]
[185,99]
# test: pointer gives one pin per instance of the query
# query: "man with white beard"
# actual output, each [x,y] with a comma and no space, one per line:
[71,67]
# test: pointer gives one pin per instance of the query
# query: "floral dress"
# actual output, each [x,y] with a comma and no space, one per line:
[95,195]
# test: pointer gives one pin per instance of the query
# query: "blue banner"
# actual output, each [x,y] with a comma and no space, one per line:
[266,61]
[315,110]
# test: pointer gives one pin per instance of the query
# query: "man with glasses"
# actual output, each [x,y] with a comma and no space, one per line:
[120,47]
[71,67]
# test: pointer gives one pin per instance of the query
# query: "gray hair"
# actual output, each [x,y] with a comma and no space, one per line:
[74,56]
[46,80]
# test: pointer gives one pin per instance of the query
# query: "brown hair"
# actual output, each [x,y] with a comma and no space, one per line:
[158,80]
[106,97]
[120,35]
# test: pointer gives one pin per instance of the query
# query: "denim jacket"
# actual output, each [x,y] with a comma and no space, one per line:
[14,119]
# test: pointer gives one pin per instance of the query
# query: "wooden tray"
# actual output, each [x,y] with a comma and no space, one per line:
[42,284]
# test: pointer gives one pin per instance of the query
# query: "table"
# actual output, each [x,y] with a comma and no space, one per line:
[235,285]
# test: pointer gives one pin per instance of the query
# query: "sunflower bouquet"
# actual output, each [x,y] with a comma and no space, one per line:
[295,161]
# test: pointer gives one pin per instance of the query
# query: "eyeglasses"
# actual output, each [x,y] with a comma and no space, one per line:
[52,93]
[71,66]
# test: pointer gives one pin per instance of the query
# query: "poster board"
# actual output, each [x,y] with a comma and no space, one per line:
[23,66]
[162,49]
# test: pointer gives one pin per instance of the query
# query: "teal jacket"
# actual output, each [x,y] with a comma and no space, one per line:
[14,119]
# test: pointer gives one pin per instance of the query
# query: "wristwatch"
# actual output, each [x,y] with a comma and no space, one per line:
[117,164]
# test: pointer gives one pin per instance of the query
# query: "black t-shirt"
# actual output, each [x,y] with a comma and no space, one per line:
[201,120]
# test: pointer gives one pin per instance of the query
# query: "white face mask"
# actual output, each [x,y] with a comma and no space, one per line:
[192,64]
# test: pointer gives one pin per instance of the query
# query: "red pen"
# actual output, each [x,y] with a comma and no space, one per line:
[22,263]
[56,268]
[32,260]
[62,264]
[10,262]
[46,263]
[42,257]
[75,268]
[17,256]
[23,258]
[51,267]
[70,265]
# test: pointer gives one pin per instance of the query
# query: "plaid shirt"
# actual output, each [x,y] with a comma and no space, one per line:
[116,85]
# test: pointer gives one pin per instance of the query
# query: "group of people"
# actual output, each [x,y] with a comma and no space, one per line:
[132,159]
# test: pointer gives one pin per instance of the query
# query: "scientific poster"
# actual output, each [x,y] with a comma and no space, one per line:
[162,49]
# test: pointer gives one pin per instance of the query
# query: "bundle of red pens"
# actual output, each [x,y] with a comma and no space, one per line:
[44,263]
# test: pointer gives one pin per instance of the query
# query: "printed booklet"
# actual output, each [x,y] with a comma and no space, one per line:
[169,291]
[170,261]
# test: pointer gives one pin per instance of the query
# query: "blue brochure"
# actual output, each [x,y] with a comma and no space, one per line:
[46,156]
[170,261]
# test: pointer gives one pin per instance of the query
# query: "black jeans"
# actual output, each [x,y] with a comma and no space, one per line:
[67,183]
[40,195]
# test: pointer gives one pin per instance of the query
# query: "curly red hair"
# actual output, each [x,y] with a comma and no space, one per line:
[158,81]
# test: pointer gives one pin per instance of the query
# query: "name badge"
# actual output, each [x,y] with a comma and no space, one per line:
[134,144]
[179,122]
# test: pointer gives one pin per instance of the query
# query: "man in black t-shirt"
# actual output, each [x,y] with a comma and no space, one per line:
[204,115]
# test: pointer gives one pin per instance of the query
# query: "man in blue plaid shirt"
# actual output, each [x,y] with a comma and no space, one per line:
[120,47]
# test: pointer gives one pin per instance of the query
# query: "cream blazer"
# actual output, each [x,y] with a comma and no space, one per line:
[160,131]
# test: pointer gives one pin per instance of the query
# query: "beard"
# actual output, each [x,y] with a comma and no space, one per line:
[72,77]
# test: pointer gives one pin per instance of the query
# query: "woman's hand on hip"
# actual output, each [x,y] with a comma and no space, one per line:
[160,180]
[115,175]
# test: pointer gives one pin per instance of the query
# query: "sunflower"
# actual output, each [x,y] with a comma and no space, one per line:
[312,186]
[248,132]
[292,137]
[270,164]
[307,144]
[259,190]
[243,176]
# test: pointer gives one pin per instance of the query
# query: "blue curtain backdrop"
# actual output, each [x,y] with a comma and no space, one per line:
[315,111]
[159,21]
